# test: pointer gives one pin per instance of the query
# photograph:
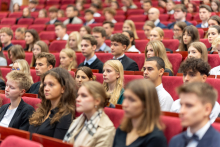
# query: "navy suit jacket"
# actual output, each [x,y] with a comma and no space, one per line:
[162,26]
[199,25]
[210,139]
[86,23]
[129,64]
[171,25]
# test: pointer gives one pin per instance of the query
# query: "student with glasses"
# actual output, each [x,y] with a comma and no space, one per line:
[178,30]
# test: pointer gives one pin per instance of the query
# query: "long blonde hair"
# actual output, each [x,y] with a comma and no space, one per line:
[118,67]
[78,40]
[71,54]
[133,28]
[159,51]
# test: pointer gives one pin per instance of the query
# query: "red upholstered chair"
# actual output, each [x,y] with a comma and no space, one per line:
[47,35]
[63,18]
[28,57]
[99,77]
[170,83]
[3,14]
[139,25]
[5,71]
[14,141]
[141,44]
[175,60]
[216,126]
[57,56]
[46,41]
[95,25]
[57,45]
[100,19]
[215,84]
[138,18]
[72,73]
[38,27]
[73,27]
[201,33]
[119,18]
[50,28]
[166,22]
[64,2]
[213,60]
[104,56]
[138,58]
[128,78]
[141,34]
[135,12]
[34,76]
[118,26]
[5,25]
[79,58]
[172,44]
[34,14]
[155,3]
[41,20]
[164,17]
[120,12]
[6,56]
[26,21]
[168,34]
[115,115]
[52,2]
[19,42]
[206,42]
[14,27]
[8,21]
[15,15]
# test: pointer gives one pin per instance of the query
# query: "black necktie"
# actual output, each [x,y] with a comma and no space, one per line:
[187,139]
[87,64]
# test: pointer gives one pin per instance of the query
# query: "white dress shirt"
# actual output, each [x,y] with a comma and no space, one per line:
[133,49]
[53,21]
[7,117]
[165,98]
[90,22]
[96,14]
[206,25]
[114,21]
[215,71]
[170,12]
[214,114]
[119,58]
[65,37]
[156,22]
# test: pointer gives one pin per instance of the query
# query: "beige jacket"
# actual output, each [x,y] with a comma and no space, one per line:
[104,135]
[76,20]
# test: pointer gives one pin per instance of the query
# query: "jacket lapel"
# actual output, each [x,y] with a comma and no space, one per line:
[206,140]
[4,111]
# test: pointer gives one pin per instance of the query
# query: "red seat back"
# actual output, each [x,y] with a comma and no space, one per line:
[34,76]
[57,45]
[14,27]
[213,60]
[17,141]
[141,44]
[15,15]
[206,42]
[19,42]
[57,57]
[172,44]
[129,78]
[41,20]
[73,27]
[8,21]
[115,115]
[215,84]
[138,58]
[26,21]
[137,18]
[168,34]
[37,27]
[47,35]
[141,34]
[175,60]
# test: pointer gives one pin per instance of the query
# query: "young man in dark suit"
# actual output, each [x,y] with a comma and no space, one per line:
[53,11]
[89,45]
[119,43]
[204,14]
[197,100]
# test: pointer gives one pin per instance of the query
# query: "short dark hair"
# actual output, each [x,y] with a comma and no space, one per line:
[147,1]
[112,25]
[71,6]
[181,6]
[131,34]
[88,29]
[215,18]
[196,65]
[90,38]
[99,30]
[160,62]
[60,24]
[217,28]
[51,60]
[33,2]
[53,9]
[208,8]
[118,37]
[89,11]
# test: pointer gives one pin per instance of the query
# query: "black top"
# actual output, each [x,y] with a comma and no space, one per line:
[20,120]
[154,139]
[97,64]
[2,84]
[57,130]
[7,47]
[54,22]
[169,71]
[169,50]
[129,64]
[34,88]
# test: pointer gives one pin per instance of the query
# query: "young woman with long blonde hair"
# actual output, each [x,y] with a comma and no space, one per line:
[68,59]
[129,25]
[74,41]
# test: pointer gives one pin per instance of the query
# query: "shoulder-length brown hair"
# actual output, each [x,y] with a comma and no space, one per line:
[201,47]
[193,32]
[35,38]
[17,51]
[66,104]
[87,71]
[146,92]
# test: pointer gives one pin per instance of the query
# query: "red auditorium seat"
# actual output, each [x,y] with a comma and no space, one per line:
[5,132]
[118,26]
[57,56]
[216,126]
[172,44]
[26,21]
[50,28]
[206,42]
[66,2]
[201,33]
[135,12]
[115,115]
[141,44]
[119,18]
[168,34]
[164,17]
[41,20]
[155,3]
[175,60]
[18,142]
[100,19]
[138,58]
[15,15]
[1,26]
[34,76]
[166,22]
[34,14]
[46,41]
[19,42]
[47,35]
[40,6]
[62,18]
[39,28]
[213,60]
[120,12]
[3,14]
[6,56]
[52,2]
[8,21]
[215,84]
[193,22]
[41,2]
[47,7]
[141,34]
[95,25]
[14,27]
[139,25]
[28,57]
[137,18]
[73,27]
[99,77]
[129,78]
[57,45]
[104,56]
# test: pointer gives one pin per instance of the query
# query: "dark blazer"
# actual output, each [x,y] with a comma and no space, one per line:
[129,64]
[169,50]
[53,23]
[2,84]
[171,25]
[162,26]
[199,25]
[86,23]
[20,120]
[7,47]
[210,139]
[34,88]
[97,64]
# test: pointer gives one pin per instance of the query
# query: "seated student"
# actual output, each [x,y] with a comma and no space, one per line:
[100,34]
[26,14]
[20,33]
[109,29]
[204,14]
[6,35]
[131,47]
[71,13]
[213,32]
[31,37]
[153,70]
[215,5]
[128,4]
[90,102]
[148,26]
[198,50]
[129,25]
[147,4]
[39,47]
[33,5]
[44,62]
[57,109]
[178,30]
[119,44]
[216,45]
[109,14]
[154,15]
[3,61]
[190,34]
[53,15]
[214,20]
[156,48]
[158,34]
[16,114]
[89,18]
[141,125]
[42,13]
[113,76]
[88,46]
[74,41]
[68,59]
[16,7]
[169,7]
[84,30]
[16,52]
[23,66]
[60,13]
[83,74]
[197,100]
[60,30]
[195,70]
[115,5]
[94,8]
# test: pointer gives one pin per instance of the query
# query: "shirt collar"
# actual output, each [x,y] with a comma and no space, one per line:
[156,22]
[102,47]
[90,61]
[159,87]
[201,132]
[91,21]
[53,20]
[119,57]
[205,25]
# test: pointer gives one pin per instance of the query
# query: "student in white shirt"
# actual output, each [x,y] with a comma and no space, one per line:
[60,30]
[89,18]
[95,8]
[131,47]
[204,14]
[197,100]
[153,70]
[53,12]
[216,47]
[195,70]
[109,14]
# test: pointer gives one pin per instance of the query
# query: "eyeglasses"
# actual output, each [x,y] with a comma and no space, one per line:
[15,68]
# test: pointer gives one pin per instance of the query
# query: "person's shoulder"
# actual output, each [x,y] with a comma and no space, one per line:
[199,25]
[175,140]
[215,69]
[105,121]
[188,23]
[162,25]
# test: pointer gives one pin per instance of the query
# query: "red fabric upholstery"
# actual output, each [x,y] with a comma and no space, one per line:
[115,115]
[137,18]
[6,56]
[99,77]
[201,33]
[135,12]
[14,27]
[19,42]
[119,18]
[141,44]
[26,21]
[41,20]
[34,14]
[57,45]
[138,58]
[193,22]
[215,84]
[175,60]
[38,27]
[104,56]
[118,26]
[128,78]
[139,25]
[28,57]
[64,2]
[52,2]
[50,28]
[73,27]
[166,22]
[5,25]
[216,126]
[213,60]
[8,21]
[164,17]
[170,83]
[168,34]
[47,35]
[57,56]
[95,25]
[5,71]
[100,19]
[34,76]
[72,74]
[172,44]
[14,141]
[206,42]
[3,14]
[15,15]
[141,34]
